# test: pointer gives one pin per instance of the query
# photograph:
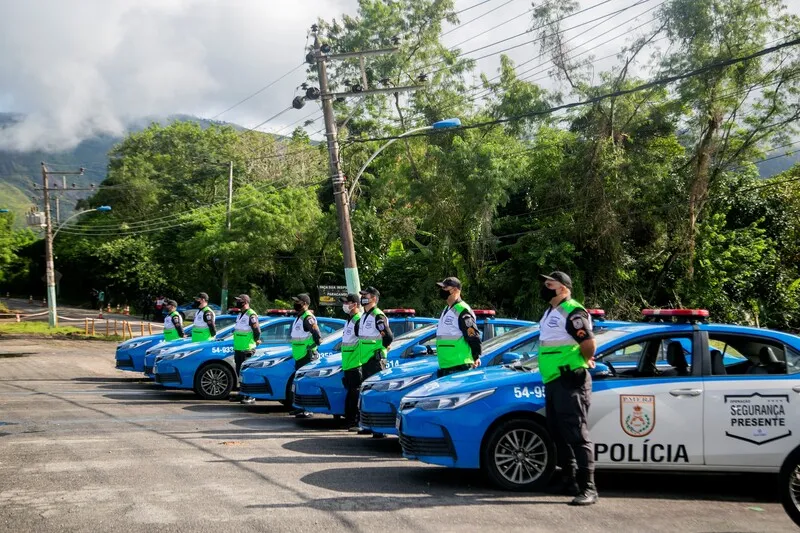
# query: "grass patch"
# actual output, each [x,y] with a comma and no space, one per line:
[41,329]
[4,308]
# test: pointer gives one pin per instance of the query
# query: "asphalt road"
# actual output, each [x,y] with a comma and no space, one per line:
[85,447]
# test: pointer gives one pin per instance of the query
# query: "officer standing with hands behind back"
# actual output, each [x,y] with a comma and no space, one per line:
[566,352]
[203,327]
[458,341]
[305,338]
[374,337]
[351,361]
[173,323]
[246,336]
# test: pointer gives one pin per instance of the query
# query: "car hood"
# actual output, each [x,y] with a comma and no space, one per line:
[476,380]
[417,367]
[183,345]
[147,338]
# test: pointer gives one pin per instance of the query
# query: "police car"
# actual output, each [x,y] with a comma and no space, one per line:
[208,368]
[130,354]
[319,388]
[734,406]
[269,375]
[381,393]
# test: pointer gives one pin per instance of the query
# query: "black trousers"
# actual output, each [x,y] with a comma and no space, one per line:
[442,372]
[567,401]
[239,358]
[303,361]
[352,383]
[375,364]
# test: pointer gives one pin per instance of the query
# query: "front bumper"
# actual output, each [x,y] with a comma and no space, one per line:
[166,374]
[445,437]
[267,383]
[378,410]
[320,395]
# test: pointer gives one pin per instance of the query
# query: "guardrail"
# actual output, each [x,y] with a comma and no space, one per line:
[89,327]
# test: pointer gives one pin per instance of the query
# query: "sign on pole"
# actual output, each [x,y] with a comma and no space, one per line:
[329,294]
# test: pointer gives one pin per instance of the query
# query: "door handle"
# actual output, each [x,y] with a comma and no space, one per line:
[796,388]
[685,392]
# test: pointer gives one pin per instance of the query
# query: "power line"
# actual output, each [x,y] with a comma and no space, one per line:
[462,24]
[472,6]
[261,90]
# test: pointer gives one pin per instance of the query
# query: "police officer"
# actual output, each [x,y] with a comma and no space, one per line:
[246,336]
[305,338]
[351,362]
[374,337]
[458,341]
[203,327]
[566,352]
[173,323]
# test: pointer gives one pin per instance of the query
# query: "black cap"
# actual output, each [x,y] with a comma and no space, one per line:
[350,298]
[305,298]
[173,303]
[450,282]
[372,290]
[243,298]
[201,296]
[560,277]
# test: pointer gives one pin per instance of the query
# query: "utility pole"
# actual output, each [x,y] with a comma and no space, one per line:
[321,55]
[224,291]
[52,317]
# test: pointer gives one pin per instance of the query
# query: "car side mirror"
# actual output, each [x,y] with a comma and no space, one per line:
[600,370]
[419,351]
[511,357]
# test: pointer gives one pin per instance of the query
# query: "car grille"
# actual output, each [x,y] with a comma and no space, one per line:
[427,446]
[173,377]
[256,387]
[124,363]
[148,370]
[311,400]
[377,420]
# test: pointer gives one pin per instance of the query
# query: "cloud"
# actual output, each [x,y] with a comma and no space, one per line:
[80,68]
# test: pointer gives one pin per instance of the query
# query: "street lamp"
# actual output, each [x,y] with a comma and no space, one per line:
[3,210]
[440,125]
[51,288]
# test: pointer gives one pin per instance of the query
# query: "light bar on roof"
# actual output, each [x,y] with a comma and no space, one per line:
[279,311]
[400,312]
[596,313]
[702,313]
[484,312]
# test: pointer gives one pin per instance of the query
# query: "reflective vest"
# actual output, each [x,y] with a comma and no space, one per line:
[369,338]
[557,348]
[243,340]
[350,355]
[451,345]
[170,332]
[200,331]
[302,341]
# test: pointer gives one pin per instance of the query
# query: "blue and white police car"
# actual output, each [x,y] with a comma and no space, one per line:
[733,407]
[270,374]
[381,393]
[319,388]
[130,354]
[208,368]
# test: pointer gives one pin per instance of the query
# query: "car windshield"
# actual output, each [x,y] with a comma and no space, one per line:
[509,337]
[603,336]
[414,334]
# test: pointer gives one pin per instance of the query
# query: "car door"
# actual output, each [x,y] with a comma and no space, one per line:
[751,407]
[645,416]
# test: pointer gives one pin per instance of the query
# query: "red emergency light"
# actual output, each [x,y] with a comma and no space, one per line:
[683,315]
[400,312]
[596,313]
[279,312]
[484,312]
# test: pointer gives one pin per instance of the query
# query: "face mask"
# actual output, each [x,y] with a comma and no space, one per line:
[546,293]
[443,294]
[346,308]
[364,301]
[298,306]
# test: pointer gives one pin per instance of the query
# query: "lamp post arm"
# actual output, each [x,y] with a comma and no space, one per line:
[70,217]
[379,150]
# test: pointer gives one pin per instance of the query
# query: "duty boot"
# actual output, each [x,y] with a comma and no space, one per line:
[566,484]
[588,491]
[248,400]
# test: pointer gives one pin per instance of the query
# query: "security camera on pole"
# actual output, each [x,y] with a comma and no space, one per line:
[320,56]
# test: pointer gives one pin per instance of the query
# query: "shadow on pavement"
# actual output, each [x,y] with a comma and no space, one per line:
[112,380]
[348,444]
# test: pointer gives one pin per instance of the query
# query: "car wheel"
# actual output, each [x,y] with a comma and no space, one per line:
[790,486]
[214,381]
[519,455]
[289,396]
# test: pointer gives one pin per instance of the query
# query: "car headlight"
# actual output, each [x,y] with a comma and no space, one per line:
[394,384]
[266,363]
[447,401]
[134,345]
[177,355]
[321,373]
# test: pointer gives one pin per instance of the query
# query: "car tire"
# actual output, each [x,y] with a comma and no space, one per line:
[789,483]
[519,455]
[289,397]
[214,381]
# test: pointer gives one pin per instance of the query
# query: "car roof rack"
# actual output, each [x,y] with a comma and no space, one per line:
[679,316]
[400,312]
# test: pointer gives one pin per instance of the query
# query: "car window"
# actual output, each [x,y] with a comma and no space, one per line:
[222,323]
[398,328]
[657,356]
[750,355]
[326,328]
[502,330]
[277,332]
[418,325]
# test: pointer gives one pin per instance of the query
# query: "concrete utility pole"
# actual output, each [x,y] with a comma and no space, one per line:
[337,179]
[52,317]
[224,291]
